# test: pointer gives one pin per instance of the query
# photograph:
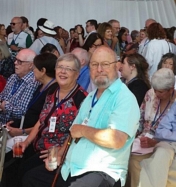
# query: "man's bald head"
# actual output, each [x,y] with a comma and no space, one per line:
[148,22]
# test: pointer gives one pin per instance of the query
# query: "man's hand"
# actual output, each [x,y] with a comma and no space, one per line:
[147,142]
[2,106]
[44,154]
[46,163]
[14,48]
[76,131]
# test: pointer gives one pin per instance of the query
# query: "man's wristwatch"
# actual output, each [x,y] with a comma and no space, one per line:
[24,132]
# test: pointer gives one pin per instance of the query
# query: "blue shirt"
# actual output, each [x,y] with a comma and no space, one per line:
[117,108]
[17,94]
[167,127]
[84,77]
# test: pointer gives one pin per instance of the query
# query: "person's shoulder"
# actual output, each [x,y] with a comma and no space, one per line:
[52,88]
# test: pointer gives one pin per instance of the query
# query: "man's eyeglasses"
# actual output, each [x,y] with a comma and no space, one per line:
[67,69]
[19,62]
[13,23]
[104,65]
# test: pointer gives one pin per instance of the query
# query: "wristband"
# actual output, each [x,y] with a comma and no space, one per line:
[24,132]
[79,33]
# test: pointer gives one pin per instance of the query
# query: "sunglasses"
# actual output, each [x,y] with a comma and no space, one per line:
[13,23]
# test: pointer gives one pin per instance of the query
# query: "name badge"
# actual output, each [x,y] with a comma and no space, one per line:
[85,121]
[52,124]
[149,135]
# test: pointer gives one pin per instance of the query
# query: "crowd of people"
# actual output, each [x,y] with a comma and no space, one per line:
[111,90]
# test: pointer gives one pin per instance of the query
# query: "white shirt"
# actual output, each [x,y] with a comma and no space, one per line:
[155,50]
[40,42]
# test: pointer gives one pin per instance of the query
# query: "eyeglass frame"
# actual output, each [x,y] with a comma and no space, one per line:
[66,69]
[20,62]
[14,23]
[101,64]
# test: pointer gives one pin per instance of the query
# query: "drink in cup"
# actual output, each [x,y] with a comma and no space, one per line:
[17,149]
[52,157]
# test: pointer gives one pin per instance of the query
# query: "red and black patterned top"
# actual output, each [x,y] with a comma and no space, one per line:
[65,115]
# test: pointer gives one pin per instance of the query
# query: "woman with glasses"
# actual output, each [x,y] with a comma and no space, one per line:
[168,61]
[134,74]
[93,41]
[57,115]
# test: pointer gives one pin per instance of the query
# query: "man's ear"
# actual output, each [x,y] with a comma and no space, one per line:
[118,65]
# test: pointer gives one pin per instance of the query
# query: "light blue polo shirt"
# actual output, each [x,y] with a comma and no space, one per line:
[117,108]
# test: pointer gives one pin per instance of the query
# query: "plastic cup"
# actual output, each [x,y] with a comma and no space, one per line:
[17,149]
[52,157]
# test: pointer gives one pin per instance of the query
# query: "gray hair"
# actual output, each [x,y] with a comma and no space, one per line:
[70,57]
[81,54]
[163,79]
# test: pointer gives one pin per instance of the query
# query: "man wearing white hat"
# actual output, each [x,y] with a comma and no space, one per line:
[48,30]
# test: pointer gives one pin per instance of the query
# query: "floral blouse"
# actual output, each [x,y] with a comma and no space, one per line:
[148,111]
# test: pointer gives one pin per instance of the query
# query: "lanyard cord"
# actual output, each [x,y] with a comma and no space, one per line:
[16,37]
[133,79]
[93,102]
[155,120]
[58,104]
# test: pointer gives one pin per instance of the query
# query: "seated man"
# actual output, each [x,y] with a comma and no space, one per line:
[19,89]
[105,127]
[84,76]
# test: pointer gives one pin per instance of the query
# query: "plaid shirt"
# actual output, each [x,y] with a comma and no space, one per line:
[17,94]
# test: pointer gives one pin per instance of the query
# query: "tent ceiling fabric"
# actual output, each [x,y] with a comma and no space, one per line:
[68,13]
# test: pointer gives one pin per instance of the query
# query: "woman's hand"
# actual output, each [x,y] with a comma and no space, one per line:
[24,145]
[79,29]
[147,142]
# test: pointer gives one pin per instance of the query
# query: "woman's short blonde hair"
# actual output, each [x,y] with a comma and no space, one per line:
[4,50]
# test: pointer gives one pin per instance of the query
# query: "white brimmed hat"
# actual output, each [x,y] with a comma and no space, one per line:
[48,27]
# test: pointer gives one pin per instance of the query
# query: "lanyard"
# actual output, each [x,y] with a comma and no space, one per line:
[155,120]
[133,79]
[15,38]
[93,102]
[39,94]
[16,86]
[58,104]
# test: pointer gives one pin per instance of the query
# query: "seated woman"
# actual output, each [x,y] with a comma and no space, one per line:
[105,31]
[168,60]
[156,104]
[93,41]
[7,67]
[134,74]
[61,108]
[44,71]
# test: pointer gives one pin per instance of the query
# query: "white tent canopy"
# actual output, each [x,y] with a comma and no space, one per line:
[68,13]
